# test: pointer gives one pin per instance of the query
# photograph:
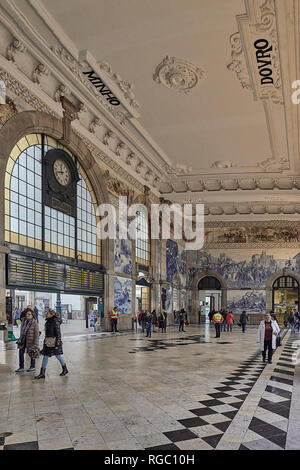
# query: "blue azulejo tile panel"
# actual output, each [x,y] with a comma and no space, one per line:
[123,255]
[253,301]
[243,267]
[176,262]
[123,294]
[168,299]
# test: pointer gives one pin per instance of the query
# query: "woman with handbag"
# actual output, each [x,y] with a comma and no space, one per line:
[52,343]
[29,341]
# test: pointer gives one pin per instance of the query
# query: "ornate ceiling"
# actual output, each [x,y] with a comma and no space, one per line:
[204,89]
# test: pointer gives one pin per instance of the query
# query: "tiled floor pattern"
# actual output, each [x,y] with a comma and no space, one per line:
[215,414]
[163,397]
[269,425]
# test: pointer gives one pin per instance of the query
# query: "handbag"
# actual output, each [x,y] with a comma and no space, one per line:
[239,323]
[50,342]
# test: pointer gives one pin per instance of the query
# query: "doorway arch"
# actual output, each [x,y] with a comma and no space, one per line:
[285,295]
[207,278]
[270,282]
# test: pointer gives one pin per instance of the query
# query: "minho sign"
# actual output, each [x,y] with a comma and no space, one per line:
[98,83]
[263,58]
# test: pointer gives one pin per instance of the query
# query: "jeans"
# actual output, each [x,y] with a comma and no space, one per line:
[244,327]
[143,326]
[45,361]
[114,324]
[149,330]
[218,329]
[223,326]
[293,327]
[21,359]
[181,325]
[229,327]
[268,347]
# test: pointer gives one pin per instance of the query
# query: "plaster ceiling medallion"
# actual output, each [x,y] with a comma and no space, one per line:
[178,74]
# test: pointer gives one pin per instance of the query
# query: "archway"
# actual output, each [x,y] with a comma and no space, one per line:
[285,295]
[209,291]
[210,295]
[78,157]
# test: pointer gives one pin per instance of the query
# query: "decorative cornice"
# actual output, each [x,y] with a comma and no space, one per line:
[95,123]
[62,90]
[253,208]
[16,45]
[76,68]
[40,70]
[125,87]
[234,183]
[238,64]
[23,92]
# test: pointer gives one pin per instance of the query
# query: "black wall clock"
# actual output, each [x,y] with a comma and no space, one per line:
[60,178]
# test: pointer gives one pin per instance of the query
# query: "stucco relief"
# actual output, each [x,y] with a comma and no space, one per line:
[178,74]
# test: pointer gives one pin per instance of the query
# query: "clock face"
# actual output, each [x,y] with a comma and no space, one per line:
[61,172]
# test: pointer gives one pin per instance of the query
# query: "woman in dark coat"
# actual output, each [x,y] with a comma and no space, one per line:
[52,343]
[29,341]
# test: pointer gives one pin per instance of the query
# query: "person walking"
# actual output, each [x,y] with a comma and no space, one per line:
[292,321]
[244,320]
[267,332]
[224,315]
[144,320]
[114,315]
[229,321]
[29,341]
[218,320]
[163,321]
[52,343]
[154,320]
[36,314]
[297,320]
[181,318]
[149,321]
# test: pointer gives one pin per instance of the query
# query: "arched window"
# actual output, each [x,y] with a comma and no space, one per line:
[142,242]
[30,222]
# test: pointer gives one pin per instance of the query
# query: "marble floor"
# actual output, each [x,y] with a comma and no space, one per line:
[185,391]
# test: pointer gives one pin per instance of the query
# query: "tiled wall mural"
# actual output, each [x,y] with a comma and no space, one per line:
[176,262]
[253,301]
[244,268]
[183,299]
[123,255]
[169,299]
[123,294]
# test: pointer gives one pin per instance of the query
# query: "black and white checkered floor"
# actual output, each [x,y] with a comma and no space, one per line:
[268,388]
[268,428]
[214,415]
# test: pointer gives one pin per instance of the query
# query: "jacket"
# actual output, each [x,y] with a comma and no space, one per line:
[229,318]
[52,330]
[217,318]
[244,318]
[32,336]
[114,314]
[260,337]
